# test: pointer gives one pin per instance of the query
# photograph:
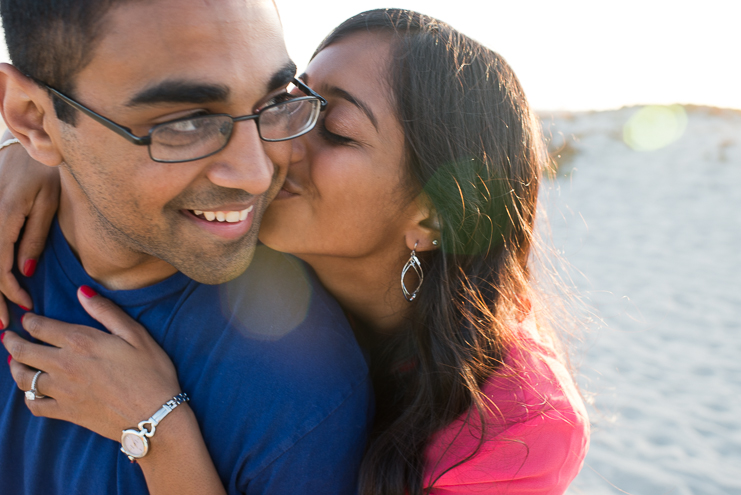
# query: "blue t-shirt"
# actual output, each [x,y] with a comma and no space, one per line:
[276,379]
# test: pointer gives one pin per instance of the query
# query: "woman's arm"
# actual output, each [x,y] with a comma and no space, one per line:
[110,382]
[29,196]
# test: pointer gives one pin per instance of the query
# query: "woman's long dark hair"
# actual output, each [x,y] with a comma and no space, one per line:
[475,149]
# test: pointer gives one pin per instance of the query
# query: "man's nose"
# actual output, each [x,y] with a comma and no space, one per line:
[243,163]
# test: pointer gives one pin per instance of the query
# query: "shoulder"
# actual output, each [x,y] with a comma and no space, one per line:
[273,368]
[535,438]
[275,308]
[275,321]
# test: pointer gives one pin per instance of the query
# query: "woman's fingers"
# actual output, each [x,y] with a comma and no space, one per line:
[21,182]
[112,317]
[4,315]
[33,355]
[54,332]
[11,222]
[45,406]
[38,225]
[23,376]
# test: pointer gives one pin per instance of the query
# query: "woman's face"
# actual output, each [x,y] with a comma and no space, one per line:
[344,194]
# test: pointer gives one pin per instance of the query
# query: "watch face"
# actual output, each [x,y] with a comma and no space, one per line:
[133,444]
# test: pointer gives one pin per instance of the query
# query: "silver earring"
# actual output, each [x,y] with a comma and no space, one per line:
[413,263]
[435,242]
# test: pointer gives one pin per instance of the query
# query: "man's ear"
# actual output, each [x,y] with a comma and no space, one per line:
[425,227]
[28,112]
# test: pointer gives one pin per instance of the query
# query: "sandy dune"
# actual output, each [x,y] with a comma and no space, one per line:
[657,238]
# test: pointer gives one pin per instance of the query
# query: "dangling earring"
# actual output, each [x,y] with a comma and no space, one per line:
[417,266]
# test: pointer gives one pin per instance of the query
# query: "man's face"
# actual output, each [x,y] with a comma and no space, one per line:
[158,61]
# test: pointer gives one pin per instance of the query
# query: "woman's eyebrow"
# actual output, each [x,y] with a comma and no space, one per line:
[341,93]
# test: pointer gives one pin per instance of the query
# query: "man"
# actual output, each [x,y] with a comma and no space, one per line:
[278,384]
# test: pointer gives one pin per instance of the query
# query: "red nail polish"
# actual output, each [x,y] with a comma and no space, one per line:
[24,308]
[2,325]
[88,291]
[2,335]
[29,268]
[9,358]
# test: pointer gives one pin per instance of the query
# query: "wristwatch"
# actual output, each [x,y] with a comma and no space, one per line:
[135,443]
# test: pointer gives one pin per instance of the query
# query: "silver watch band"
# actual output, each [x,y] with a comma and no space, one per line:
[135,443]
[163,411]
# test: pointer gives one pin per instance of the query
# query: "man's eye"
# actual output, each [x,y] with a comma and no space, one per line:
[183,126]
[281,98]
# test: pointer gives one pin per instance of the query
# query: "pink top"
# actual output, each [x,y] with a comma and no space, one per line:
[537,432]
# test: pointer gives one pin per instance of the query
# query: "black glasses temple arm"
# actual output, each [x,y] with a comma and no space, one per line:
[307,90]
[122,131]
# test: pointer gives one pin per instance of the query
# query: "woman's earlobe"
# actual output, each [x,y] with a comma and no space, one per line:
[425,231]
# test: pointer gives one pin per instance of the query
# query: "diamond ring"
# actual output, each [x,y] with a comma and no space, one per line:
[33,394]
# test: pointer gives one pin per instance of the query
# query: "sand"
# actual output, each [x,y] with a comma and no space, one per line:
[654,240]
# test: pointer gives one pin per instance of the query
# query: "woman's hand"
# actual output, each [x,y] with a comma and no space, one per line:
[29,194]
[110,382]
[103,382]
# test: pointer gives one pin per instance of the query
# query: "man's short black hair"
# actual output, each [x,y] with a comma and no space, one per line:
[53,40]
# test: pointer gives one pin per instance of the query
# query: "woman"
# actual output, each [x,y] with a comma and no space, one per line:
[428,146]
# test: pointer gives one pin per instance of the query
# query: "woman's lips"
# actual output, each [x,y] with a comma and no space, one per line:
[285,194]
[289,190]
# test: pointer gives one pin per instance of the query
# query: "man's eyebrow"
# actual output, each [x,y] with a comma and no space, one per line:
[179,91]
[283,76]
[182,91]
[341,93]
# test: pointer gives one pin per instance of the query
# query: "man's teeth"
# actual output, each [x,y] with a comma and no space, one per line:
[224,216]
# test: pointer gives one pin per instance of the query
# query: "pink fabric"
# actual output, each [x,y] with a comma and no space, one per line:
[537,432]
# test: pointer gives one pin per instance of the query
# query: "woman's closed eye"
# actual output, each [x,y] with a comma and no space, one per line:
[331,137]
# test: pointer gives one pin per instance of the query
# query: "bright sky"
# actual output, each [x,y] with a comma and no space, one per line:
[576,54]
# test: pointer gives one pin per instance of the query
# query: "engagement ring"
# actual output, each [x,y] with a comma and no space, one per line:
[33,394]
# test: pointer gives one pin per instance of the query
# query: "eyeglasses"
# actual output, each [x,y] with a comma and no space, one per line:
[196,137]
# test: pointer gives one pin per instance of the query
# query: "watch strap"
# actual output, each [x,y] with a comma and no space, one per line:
[167,408]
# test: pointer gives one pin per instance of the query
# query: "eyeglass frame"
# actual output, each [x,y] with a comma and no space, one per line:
[126,133]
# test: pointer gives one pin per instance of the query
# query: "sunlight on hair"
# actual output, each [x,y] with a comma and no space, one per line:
[479,217]
[654,127]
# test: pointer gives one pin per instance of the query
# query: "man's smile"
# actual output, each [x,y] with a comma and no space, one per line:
[226,221]
[224,216]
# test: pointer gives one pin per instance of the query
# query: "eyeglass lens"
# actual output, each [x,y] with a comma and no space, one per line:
[191,139]
[288,119]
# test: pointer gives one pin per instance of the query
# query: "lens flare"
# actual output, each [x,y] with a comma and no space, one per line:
[654,127]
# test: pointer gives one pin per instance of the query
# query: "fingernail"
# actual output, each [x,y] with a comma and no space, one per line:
[24,308]
[2,335]
[29,268]
[9,358]
[23,317]
[88,291]
[2,325]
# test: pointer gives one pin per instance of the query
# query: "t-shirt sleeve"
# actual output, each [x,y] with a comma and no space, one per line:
[540,456]
[326,459]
